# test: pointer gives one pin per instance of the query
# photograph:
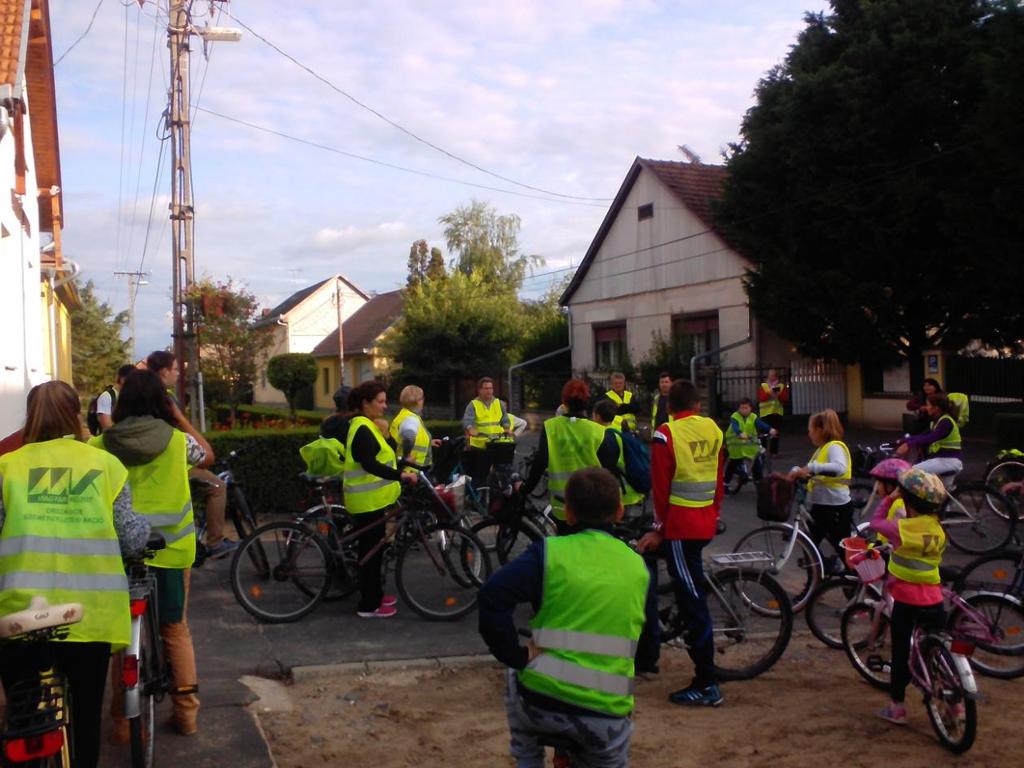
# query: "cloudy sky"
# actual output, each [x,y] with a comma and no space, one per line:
[553,94]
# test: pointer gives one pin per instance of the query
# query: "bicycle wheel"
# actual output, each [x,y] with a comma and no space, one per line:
[332,522]
[869,650]
[952,712]
[1002,618]
[800,574]
[824,609]
[748,641]
[506,541]
[287,579]
[994,572]
[970,523]
[439,572]
[1001,474]
[142,729]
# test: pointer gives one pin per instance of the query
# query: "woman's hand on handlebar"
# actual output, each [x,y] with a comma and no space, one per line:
[410,477]
[799,473]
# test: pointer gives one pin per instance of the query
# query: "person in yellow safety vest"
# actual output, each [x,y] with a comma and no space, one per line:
[941,443]
[687,461]
[372,484]
[742,446]
[486,418]
[622,398]
[568,443]
[407,430]
[886,475]
[66,520]
[772,397]
[918,542]
[595,628]
[660,413]
[829,472]
[158,457]
[604,416]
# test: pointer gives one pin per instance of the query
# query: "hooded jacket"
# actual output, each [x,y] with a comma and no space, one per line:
[137,439]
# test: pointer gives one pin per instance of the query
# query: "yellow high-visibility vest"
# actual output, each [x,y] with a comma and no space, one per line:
[696,442]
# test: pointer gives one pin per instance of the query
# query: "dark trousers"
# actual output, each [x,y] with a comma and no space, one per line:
[686,567]
[733,465]
[832,523]
[904,617]
[371,587]
[85,667]
[773,420]
[477,463]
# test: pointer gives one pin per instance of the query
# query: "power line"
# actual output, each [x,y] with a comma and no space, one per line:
[152,203]
[354,156]
[124,107]
[402,128]
[81,37]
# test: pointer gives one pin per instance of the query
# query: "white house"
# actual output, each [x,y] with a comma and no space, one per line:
[657,265]
[302,321]
[34,292]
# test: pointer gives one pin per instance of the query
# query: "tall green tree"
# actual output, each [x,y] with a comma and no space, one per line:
[485,243]
[877,181]
[231,346]
[97,349]
[425,263]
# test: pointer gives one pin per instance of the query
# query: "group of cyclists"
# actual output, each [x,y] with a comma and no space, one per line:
[72,507]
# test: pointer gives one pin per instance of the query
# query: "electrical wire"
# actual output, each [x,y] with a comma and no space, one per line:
[402,128]
[393,166]
[119,257]
[82,36]
[152,203]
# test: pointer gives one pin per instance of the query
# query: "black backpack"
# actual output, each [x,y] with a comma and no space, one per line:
[92,418]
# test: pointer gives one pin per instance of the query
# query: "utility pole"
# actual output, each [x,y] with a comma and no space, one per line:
[341,332]
[186,348]
[135,279]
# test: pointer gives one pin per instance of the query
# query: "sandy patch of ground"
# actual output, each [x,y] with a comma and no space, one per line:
[810,709]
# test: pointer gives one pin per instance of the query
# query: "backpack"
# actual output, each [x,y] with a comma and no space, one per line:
[92,419]
[774,494]
[637,461]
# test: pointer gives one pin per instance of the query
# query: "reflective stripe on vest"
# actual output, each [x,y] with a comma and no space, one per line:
[364,491]
[773,405]
[950,442]
[628,419]
[821,457]
[421,446]
[58,539]
[161,492]
[589,622]
[572,444]
[737,446]
[696,443]
[922,542]
[487,422]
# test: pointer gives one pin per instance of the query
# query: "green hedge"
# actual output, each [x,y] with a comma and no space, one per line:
[269,464]
[222,414]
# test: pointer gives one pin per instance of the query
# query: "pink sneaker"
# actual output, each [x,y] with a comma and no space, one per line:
[894,713]
[384,612]
[389,601]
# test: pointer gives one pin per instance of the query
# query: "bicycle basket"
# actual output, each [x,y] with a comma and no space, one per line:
[868,563]
[774,495]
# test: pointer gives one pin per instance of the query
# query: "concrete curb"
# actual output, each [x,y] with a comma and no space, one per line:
[316,671]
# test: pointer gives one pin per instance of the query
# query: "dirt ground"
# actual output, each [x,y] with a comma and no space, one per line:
[810,709]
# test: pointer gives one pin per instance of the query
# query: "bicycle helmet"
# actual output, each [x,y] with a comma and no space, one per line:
[924,486]
[889,469]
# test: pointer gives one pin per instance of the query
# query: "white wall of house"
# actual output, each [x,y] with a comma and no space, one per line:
[648,289]
[21,344]
[305,326]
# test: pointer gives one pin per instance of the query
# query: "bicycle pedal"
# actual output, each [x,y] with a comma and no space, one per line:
[878,664]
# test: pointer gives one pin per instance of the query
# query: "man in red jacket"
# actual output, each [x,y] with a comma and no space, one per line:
[687,461]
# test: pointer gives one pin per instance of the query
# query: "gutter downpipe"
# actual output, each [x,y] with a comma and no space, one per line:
[711,353]
[568,313]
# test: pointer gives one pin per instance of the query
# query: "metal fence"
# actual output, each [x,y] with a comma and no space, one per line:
[986,379]
[814,386]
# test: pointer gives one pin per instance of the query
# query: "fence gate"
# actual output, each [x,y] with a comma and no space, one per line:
[816,386]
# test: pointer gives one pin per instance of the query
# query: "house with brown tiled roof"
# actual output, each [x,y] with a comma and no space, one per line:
[659,266]
[361,335]
[36,292]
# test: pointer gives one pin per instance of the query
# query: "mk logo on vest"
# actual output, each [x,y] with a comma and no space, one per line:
[56,485]
[704,450]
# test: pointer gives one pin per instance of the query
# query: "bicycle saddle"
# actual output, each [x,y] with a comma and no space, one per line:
[39,615]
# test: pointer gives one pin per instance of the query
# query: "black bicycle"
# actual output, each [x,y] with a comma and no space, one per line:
[238,511]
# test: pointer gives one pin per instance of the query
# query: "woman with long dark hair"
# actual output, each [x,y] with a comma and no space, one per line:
[72,553]
[158,457]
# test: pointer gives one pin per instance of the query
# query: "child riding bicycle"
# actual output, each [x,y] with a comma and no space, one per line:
[741,442]
[592,595]
[918,542]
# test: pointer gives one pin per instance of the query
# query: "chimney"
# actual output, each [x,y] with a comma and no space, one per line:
[265,312]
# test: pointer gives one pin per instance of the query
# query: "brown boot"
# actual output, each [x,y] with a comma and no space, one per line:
[181,656]
[119,734]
